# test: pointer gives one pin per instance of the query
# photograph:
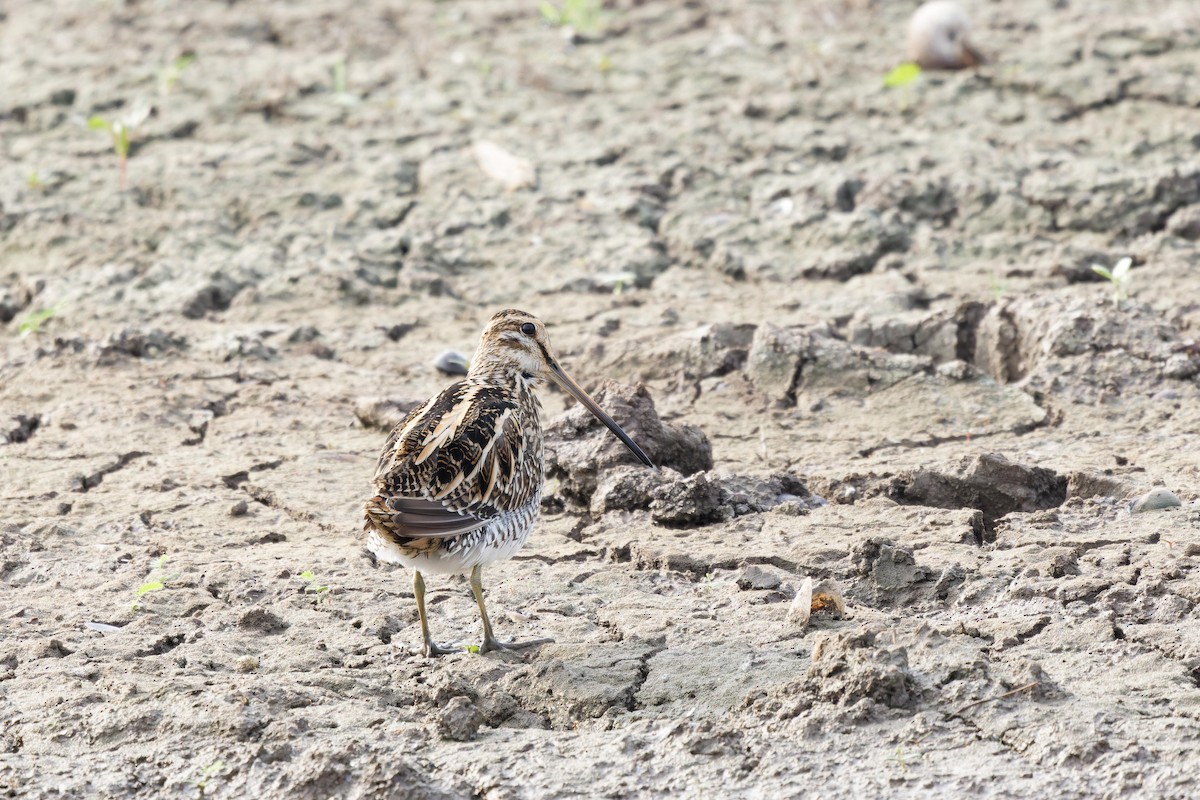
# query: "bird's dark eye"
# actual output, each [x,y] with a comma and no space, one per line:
[529,329]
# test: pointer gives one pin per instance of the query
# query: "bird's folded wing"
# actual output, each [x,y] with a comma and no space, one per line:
[417,517]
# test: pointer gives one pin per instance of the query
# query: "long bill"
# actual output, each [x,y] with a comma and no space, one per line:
[572,388]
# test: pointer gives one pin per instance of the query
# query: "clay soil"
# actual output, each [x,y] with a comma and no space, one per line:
[858,326]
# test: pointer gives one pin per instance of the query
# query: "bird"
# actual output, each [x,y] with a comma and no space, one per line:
[939,37]
[459,480]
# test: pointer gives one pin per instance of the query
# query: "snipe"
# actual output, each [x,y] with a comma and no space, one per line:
[459,481]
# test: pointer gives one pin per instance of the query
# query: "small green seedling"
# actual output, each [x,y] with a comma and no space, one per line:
[584,16]
[472,648]
[902,75]
[34,182]
[169,75]
[212,770]
[309,577]
[341,80]
[902,78]
[152,583]
[121,131]
[33,321]
[1120,278]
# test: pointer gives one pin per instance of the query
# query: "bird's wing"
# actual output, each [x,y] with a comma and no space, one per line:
[446,461]
[418,518]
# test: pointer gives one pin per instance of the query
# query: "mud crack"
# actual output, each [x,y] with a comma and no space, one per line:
[84,483]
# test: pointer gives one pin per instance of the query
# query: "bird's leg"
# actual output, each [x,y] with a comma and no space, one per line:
[490,642]
[432,648]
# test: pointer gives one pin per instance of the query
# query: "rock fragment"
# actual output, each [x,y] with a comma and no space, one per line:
[1157,498]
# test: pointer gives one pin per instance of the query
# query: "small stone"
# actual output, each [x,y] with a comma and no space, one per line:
[452,362]
[1155,499]
[754,577]
[459,721]
[239,509]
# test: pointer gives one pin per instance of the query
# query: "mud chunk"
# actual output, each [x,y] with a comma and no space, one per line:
[459,721]
[572,684]
[1157,498]
[850,667]
[750,494]
[13,300]
[774,360]
[20,428]
[238,346]
[691,500]
[890,566]
[579,448]
[988,482]
[383,413]
[214,295]
[624,489]
[1058,562]
[1185,223]
[1085,483]
[261,620]
[1181,366]
[137,342]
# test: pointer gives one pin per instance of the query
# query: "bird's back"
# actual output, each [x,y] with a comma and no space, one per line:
[476,449]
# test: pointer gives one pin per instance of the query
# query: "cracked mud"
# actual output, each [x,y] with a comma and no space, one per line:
[859,328]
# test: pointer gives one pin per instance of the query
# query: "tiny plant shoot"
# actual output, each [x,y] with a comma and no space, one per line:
[901,78]
[309,577]
[902,75]
[33,321]
[169,75]
[1120,278]
[584,16]
[152,583]
[341,82]
[120,130]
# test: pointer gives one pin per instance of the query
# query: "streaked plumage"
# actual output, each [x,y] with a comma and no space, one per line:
[459,481]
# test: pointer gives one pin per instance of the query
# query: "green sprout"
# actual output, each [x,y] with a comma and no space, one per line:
[472,648]
[999,286]
[169,75]
[309,577]
[902,75]
[121,130]
[584,16]
[210,771]
[34,181]
[1119,277]
[152,583]
[33,321]
[341,81]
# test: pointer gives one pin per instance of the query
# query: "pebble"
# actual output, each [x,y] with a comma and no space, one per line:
[452,362]
[1158,498]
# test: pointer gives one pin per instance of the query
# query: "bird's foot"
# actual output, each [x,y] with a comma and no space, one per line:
[433,649]
[491,643]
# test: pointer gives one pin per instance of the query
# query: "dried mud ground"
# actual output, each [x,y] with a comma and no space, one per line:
[871,348]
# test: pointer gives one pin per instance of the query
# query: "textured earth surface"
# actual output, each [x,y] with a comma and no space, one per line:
[858,325]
